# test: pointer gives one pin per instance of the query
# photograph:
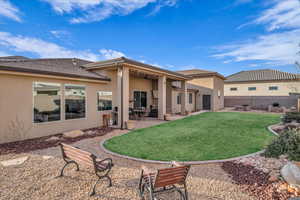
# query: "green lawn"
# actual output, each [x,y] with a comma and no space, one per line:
[208,136]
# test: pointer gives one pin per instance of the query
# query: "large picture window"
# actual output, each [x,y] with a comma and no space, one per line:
[104,100]
[75,101]
[47,102]
[140,99]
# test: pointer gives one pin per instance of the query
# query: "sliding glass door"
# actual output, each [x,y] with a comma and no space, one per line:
[140,99]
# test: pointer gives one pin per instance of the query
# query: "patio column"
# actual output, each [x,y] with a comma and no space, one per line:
[183,97]
[162,99]
[123,96]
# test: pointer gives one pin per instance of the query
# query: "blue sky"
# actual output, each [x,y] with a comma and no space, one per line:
[220,35]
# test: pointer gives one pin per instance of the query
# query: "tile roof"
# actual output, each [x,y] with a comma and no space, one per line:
[69,67]
[195,73]
[11,58]
[261,75]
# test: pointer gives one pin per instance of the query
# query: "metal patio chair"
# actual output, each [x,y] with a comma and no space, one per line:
[74,155]
[164,180]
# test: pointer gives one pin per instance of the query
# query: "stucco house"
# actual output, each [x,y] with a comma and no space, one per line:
[260,88]
[41,97]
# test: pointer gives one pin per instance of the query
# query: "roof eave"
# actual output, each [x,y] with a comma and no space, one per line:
[202,75]
[116,62]
[16,69]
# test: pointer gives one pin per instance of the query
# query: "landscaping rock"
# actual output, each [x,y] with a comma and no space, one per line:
[273,178]
[73,134]
[17,161]
[90,132]
[292,125]
[47,157]
[52,139]
[267,165]
[278,128]
[291,174]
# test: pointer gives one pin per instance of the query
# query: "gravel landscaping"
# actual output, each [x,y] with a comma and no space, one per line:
[35,179]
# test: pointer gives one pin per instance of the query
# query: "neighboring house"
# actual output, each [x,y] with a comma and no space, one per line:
[260,88]
[41,97]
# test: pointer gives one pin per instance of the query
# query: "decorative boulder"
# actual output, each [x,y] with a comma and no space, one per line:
[291,174]
[73,134]
[17,161]
[52,139]
[292,125]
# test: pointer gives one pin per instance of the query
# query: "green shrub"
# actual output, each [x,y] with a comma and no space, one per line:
[291,116]
[288,143]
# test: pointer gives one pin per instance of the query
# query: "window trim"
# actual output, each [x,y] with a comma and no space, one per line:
[61,104]
[98,101]
[86,104]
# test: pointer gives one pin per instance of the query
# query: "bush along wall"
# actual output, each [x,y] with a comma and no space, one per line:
[290,117]
[288,143]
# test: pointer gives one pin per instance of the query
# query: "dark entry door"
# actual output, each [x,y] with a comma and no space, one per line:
[206,102]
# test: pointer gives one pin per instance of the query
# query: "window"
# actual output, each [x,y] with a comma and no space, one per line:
[140,99]
[273,88]
[47,102]
[179,99]
[251,88]
[104,100]
[190,98]
[233,89]
[75,102]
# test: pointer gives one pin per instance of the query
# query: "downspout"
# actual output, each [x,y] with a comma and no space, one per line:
[196,94]
[122,98]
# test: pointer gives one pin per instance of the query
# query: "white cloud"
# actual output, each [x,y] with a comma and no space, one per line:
[279,45]
[97,10]
[59,33]
[10,11]
[163,3]
[276,48]
[45,49]
[282,14]
[62,6]
[111,54]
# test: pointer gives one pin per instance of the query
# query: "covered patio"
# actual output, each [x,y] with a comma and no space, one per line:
[141,89]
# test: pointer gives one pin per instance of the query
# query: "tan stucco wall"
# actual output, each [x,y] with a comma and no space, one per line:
[262,89]
[176,108]
[16,108]
[218,91]
[212,86]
